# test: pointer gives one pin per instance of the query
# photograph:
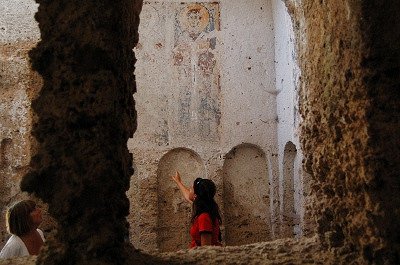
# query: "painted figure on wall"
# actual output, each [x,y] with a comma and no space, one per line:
[195,66]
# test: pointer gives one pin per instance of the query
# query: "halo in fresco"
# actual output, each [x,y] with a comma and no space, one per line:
[194,18]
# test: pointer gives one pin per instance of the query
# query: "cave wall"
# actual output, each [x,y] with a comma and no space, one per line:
[18,86]
[349,106]
[381,34]
[349,60]
[84,115]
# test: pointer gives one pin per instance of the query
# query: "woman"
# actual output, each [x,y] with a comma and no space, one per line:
[23,219]
[205,212]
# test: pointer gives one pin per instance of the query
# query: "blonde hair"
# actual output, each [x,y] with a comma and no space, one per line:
[18,219]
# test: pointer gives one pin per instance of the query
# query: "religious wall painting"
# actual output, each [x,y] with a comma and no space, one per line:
[195,63]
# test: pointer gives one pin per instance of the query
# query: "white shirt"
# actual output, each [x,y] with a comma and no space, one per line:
[15,247]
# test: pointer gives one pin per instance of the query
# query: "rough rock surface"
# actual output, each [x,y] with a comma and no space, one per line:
[282,251]
[349,102]
[85,115]
[18,85]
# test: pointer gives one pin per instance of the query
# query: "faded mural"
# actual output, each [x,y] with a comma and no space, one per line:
[196,70]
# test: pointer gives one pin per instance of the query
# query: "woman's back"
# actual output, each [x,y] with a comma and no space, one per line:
[204,224]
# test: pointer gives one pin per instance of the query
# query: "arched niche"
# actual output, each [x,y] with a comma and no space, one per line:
[289,216]
[174,212]
[246,196]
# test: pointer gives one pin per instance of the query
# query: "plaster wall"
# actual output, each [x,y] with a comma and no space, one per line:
[287,89]
[290,220]
[248,75]
[248,85]
[17,21]
[246,200]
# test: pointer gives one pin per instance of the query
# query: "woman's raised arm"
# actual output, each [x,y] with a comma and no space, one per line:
[187,193]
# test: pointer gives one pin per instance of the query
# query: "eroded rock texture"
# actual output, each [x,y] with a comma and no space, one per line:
[349,58]
[18,85]
[85,115]
[279,252]
[350,106]
[382,65]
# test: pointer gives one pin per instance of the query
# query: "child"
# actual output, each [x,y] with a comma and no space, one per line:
[23,220]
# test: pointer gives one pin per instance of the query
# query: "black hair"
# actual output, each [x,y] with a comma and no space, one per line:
[18,219]
[204,202]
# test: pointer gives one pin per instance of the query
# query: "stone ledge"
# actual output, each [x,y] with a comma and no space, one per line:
[282,251]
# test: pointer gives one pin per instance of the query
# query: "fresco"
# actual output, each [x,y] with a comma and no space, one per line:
[195,67]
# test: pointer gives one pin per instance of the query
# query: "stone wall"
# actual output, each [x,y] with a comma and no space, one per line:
[381,63]
[349,105]
[18,86]
[84,116]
